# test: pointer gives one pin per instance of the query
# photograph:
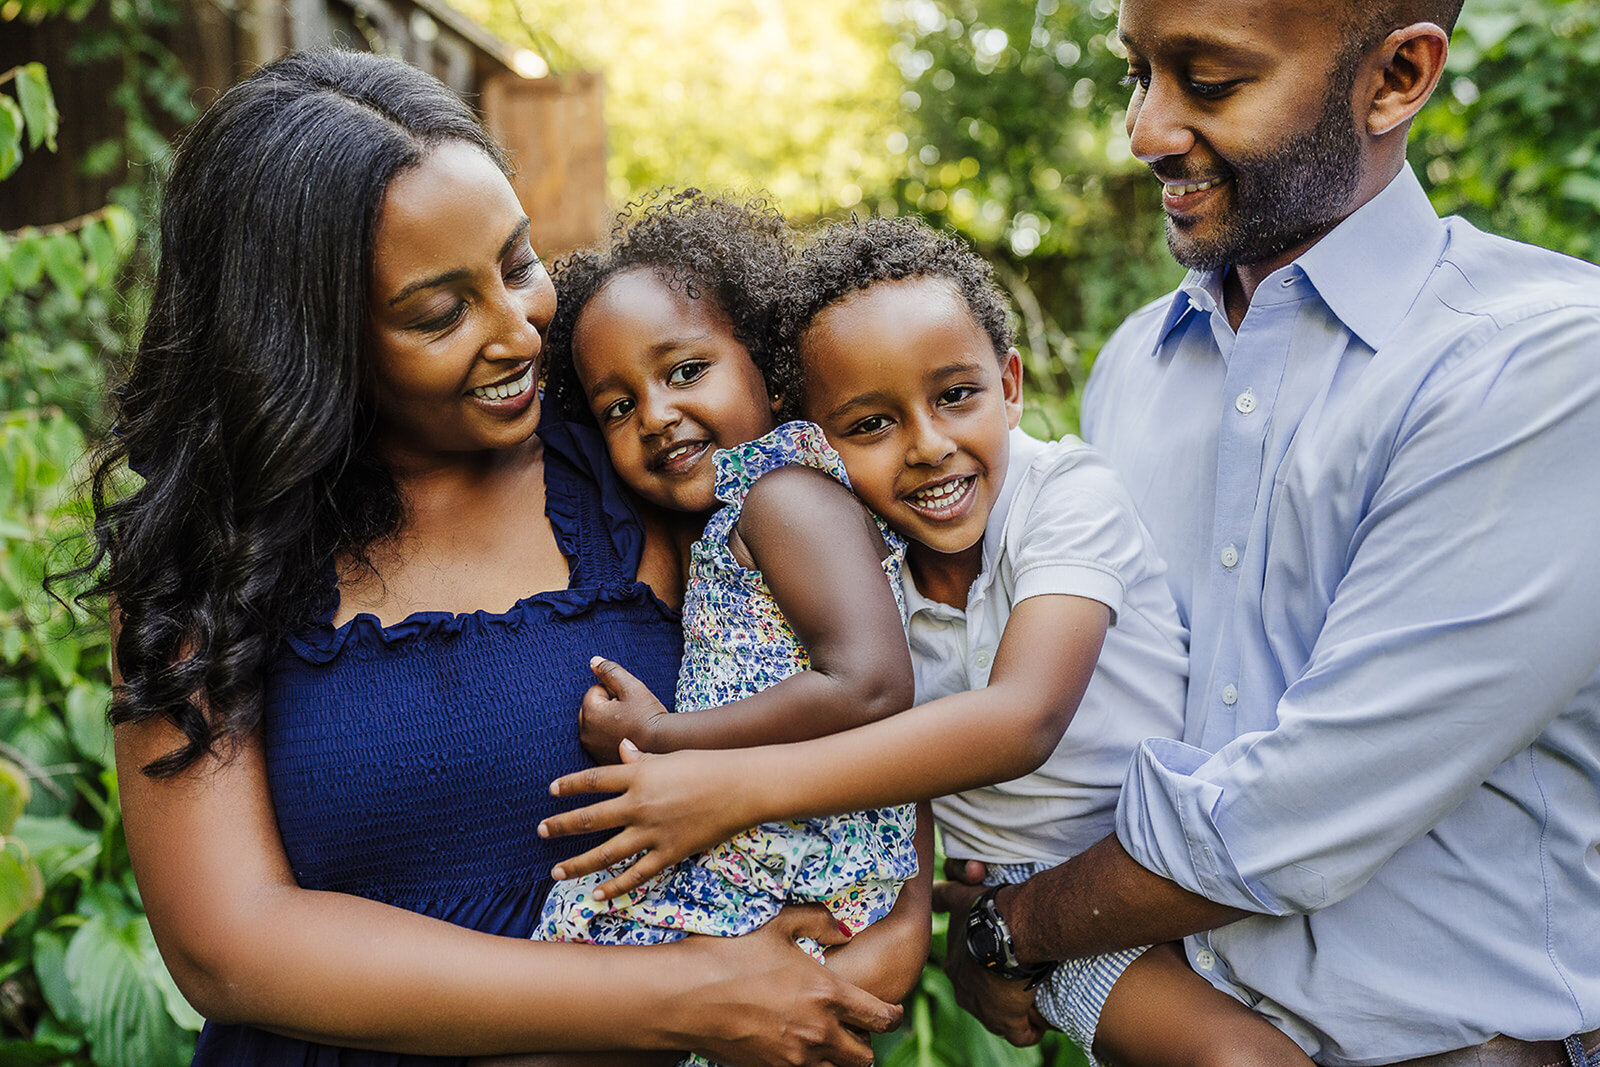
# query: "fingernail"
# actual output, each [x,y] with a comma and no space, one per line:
[557,873]
[543,830]
[599,894]
[629,745]
[843,929]
[595,661]
[555,790]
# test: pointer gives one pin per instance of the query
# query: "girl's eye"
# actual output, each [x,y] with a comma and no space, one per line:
[686,372]
[869,425]
[440,323]
[616,409]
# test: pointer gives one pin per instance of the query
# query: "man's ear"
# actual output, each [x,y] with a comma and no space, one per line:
[1403,73]
[1011,386]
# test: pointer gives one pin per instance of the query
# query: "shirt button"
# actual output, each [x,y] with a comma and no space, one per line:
[982,658]
[1230,695]
[1287,281]
[1230,556]
[1245,402]
[1205,959]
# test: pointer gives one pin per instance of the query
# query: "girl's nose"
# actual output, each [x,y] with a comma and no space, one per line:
[930,445]
[657,415]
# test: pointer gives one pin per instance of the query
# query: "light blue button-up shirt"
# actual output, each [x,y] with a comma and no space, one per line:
[1379,501]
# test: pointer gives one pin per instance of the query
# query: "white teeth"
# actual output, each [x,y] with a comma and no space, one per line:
[1192,187]
[506,390]
[675,453]
[940,495]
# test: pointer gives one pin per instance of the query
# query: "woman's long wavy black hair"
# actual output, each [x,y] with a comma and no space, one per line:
[732,251]
[243,410]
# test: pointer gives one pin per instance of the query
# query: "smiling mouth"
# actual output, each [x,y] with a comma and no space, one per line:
[940,501]
[680,457]
[1186,188]
[506,390]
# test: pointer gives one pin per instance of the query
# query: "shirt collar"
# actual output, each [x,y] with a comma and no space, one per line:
[1399,224]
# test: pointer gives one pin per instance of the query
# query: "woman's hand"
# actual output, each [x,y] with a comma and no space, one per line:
[772,1004]
[617,708]
[669,807]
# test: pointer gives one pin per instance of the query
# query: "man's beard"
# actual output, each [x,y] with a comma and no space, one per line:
[1284,197]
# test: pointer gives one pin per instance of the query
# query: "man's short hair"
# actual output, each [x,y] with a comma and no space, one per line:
[1367,22]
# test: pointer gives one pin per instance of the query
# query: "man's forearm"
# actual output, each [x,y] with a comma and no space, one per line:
[1099,901]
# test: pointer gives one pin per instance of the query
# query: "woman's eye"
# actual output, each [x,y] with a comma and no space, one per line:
[440,323]
[615,410]
[524,269]
[684,373]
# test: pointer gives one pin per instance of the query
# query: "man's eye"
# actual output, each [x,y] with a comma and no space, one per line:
[1209,90]
[615,410]
[1135,79]
[684,373]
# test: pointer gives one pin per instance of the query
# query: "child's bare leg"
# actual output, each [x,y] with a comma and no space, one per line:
[1161,1014]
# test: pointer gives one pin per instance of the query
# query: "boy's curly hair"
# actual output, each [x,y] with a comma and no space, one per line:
[735,252]
[845,257]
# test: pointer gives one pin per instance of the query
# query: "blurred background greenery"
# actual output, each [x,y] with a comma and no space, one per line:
[999,119]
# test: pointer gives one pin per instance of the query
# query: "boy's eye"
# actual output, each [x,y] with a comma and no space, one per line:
[686,372]
[616,409]
[957,393]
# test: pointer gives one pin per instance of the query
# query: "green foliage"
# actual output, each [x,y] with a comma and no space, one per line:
[81,980]
[1512,140]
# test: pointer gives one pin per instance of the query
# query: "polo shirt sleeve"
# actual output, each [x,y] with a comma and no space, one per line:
[1073,530]
[1464,624]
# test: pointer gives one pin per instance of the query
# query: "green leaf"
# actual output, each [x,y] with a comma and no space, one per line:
[126,1016]
[38,105]
[10,136]
[86,721]
[101,250]
[122,227]
[58,844]
[50,968]
[13,796]
[21,886]
[63,261]
[29,1054]
[26,265]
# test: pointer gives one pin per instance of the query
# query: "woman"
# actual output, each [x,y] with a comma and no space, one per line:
[356,596]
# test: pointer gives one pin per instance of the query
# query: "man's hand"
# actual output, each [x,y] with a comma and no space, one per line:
[1004,1007]
[617,708]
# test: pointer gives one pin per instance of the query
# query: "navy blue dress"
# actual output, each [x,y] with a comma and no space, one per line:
[410,763]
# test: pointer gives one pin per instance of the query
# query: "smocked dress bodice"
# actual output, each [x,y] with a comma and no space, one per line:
[410,763]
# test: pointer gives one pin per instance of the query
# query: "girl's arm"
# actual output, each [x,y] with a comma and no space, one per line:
[680,803]
[247,945]
[886,958]
[821,557]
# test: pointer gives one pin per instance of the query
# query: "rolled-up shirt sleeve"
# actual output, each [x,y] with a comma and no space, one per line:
[1462,616]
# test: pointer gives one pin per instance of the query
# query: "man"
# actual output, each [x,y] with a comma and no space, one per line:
[1368,443]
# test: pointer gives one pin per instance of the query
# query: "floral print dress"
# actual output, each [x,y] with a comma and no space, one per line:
[737,643]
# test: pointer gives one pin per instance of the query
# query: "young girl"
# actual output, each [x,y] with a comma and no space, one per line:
[1036,600]
[792,618]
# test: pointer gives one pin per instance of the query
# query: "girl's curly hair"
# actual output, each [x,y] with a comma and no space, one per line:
[735,252]
[845,257]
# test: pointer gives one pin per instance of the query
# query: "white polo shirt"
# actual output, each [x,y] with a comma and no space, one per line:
[1063,524]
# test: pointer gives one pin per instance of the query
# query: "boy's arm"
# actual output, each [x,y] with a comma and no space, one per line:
[677,804]
[821,557]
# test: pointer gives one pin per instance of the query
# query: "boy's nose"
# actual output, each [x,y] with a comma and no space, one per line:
[930,445]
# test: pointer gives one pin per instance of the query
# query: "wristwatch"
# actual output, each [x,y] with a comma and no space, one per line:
[989,942]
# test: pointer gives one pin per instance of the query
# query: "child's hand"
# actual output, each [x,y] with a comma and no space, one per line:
[617,708]
[669,807]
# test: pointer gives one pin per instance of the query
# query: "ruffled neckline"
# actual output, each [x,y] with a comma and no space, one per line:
[577,472]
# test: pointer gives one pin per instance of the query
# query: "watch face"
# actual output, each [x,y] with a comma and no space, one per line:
[983,940]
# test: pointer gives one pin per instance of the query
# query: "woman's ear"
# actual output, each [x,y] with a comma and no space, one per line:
[1405,69]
